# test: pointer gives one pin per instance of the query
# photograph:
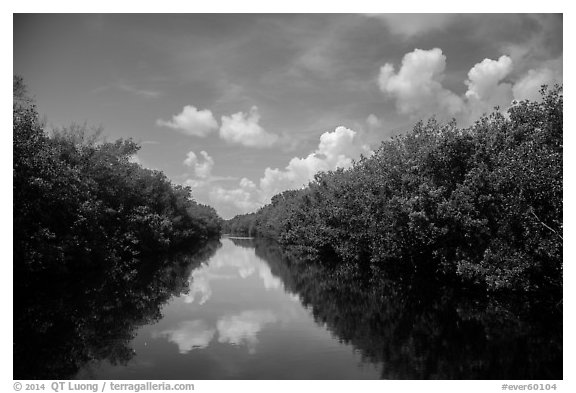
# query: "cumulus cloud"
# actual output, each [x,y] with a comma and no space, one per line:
[191,121]
[410,25]
[189,335]
[237,200]
[207,188]
[417,86]
[238,128]
[202,168]
[487,85]
[486,88]
[243,129]
[337,149]
[484,78]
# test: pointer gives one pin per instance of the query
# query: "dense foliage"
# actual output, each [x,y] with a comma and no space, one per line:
[100,243]
[481,205]
[79,201]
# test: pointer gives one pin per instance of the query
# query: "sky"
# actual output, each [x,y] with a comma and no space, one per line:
[242,106]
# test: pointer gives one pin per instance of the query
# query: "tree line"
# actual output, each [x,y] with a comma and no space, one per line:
[480,205]
[79,201]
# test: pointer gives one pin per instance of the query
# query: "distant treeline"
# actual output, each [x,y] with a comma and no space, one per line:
[80,201]
[480,205]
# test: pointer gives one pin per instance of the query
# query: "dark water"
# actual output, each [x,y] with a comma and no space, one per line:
[239,309]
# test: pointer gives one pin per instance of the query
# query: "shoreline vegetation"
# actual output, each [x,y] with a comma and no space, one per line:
[80,199]
[100,244]
[478,207]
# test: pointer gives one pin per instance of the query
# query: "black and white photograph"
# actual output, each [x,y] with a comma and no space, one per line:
[287,196]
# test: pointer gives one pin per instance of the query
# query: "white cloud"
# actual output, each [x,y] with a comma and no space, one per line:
[417,86]
[336,149]
[227,202]
[484,78]
[189,335]
[486,88]
[242,329]
[235,201]
[202,169]
[410,25]
[191,121]
[206,187]
[243,129]
[238,128]
[485,81]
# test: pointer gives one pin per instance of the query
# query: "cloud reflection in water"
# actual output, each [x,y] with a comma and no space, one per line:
[242,328]
[189,335]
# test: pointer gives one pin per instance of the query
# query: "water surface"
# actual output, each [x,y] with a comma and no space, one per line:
[244,309]
[238,321]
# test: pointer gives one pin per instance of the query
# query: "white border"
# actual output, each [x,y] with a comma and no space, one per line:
[299,6]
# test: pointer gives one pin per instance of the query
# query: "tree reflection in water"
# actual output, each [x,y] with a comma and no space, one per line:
[410,328]
[417,329]
[65,319]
